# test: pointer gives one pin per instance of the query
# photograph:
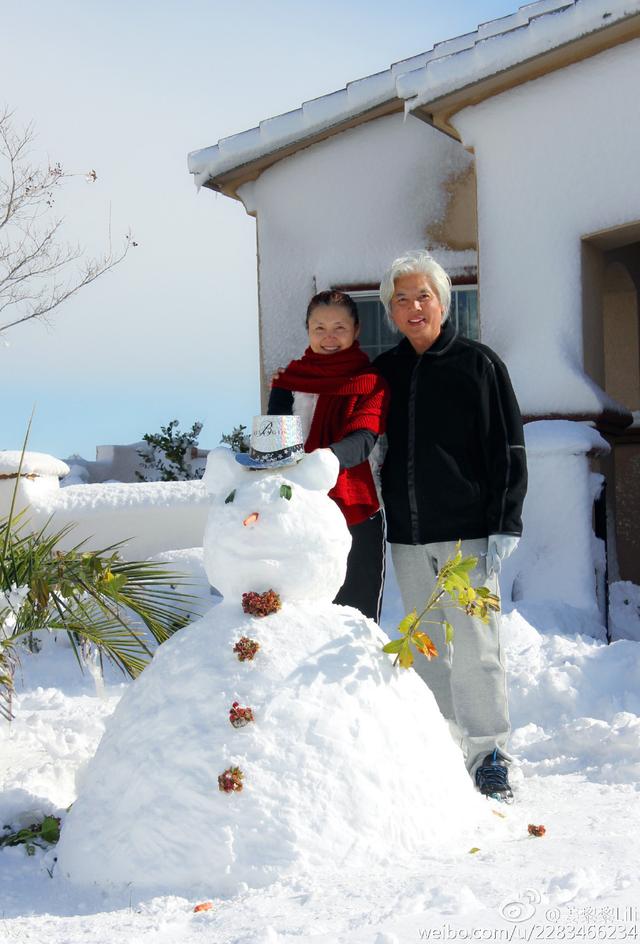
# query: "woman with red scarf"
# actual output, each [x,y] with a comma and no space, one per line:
[343,406]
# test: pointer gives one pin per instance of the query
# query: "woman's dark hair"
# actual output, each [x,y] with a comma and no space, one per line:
[333,298]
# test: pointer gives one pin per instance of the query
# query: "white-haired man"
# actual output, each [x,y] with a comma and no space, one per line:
[455,469]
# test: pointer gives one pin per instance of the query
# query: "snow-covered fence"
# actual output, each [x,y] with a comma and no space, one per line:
[152,516]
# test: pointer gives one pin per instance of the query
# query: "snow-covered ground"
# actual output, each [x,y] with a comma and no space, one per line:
[575,706]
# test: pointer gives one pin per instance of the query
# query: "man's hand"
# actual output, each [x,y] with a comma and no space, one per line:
[277,372]
[499,547]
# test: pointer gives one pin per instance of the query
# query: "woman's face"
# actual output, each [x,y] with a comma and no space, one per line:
[331,329]
[416,310]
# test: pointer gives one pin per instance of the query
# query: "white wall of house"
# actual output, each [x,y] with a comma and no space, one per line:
[340,211]
[556,159]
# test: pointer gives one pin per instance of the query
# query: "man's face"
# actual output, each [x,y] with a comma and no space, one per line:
[416,310]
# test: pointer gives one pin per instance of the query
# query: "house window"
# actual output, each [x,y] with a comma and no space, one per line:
[376,336]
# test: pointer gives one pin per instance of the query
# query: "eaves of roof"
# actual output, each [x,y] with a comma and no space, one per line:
[550,40]
[242,157]
[218,169]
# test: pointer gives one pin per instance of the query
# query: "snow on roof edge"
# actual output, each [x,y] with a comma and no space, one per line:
[499,52]
[569,437]
[275,133]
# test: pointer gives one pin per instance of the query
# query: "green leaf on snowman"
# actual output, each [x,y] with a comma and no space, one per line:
[286,491]
[230,497]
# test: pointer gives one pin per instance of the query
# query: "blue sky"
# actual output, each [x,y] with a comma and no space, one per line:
[128,88]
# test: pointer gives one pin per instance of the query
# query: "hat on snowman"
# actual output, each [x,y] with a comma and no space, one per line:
[276,441]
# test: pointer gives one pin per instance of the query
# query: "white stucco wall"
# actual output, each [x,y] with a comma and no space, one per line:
[556,159]
[152,517]
[340,211]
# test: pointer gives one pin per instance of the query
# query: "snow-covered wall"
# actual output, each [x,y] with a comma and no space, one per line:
[339,212]
[558,557]
[151,516]
[556,159]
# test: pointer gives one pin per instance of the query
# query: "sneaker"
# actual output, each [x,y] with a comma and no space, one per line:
[492,778]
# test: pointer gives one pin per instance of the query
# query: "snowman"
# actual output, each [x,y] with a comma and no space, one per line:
[273,736]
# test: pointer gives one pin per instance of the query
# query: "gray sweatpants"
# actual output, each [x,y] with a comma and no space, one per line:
[469,686]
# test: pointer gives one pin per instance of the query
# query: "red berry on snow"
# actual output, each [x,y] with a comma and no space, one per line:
[230,781]
[239,716]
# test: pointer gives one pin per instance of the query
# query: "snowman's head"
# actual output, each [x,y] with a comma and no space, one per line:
[275,530]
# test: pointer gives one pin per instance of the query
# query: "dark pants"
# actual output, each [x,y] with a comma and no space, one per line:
[364,581]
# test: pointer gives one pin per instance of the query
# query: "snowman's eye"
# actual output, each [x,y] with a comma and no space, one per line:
[230,497]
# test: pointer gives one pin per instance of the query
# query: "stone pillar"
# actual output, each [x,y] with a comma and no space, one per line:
[40,474]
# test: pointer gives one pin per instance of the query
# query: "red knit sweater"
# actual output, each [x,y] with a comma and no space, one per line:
[350,397]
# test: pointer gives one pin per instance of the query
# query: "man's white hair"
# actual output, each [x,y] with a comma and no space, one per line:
[416,262]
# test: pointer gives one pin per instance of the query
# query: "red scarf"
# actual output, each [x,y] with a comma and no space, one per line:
[349,398]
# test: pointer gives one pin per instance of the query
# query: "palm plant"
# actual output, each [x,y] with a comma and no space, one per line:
[94,596]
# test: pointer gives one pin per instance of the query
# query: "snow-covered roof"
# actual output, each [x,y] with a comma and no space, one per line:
[496,46]
[364,97]
[534,31]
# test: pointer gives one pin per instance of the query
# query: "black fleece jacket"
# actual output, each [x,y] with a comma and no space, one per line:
[456,464]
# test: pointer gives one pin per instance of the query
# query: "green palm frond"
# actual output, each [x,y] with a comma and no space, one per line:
[96,597]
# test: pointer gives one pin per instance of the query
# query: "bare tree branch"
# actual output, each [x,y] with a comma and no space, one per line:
[38,272]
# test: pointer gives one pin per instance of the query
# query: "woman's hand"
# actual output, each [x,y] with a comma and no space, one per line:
[277,372]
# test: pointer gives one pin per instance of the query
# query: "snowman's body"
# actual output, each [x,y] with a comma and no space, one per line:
[347,762]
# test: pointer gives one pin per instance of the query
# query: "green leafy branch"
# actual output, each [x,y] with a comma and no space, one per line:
[169,454]
[453,588]
[237,439]
[42,834]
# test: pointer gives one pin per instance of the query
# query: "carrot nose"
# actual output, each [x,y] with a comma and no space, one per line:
[251,519]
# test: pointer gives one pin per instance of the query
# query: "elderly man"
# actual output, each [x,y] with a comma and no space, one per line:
[455,469]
